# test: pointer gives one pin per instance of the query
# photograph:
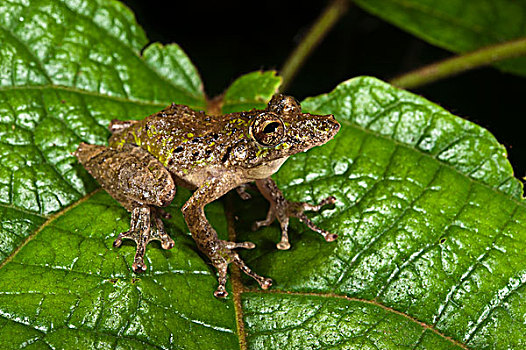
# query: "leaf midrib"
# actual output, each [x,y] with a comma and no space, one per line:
[85,92]
[364,301]
[235,277]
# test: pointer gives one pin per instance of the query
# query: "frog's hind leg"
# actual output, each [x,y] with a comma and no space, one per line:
[140,183]
[140,233]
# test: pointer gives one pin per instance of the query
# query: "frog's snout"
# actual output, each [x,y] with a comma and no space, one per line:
[326,127]
[333,125]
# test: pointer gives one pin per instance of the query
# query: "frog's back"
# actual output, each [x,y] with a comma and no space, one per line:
[181,138]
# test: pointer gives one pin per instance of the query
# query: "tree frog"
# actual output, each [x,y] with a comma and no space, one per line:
[211,154]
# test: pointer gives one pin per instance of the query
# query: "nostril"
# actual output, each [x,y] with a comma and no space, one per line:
[334,122]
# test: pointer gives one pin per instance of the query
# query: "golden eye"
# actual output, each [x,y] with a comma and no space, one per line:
[267,129]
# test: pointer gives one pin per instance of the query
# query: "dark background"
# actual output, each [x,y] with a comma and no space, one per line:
[225,39]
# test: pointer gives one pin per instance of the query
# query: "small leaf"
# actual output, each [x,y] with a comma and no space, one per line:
[458,25]
[252,90]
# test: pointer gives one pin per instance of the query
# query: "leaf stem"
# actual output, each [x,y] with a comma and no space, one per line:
[235,276]
[461,63]
[323,24]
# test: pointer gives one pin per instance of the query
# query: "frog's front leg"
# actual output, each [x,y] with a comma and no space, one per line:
[282,209]
[219,252]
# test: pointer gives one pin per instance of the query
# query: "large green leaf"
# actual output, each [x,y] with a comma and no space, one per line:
[431,222]
[68,68]
[458,25]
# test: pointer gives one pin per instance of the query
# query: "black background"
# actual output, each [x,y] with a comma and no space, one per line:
[225,39]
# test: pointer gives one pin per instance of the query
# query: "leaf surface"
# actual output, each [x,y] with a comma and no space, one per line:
[431,221]
[458,25]
[252,90]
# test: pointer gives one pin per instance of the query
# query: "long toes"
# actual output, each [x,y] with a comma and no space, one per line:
[331,237]
[220,293]
[250,245]
[283,245]
[167,243]
[235,245]
[139,266]
[258,224]
[245,245]
[123,235]
[317,207]
[117,243]
[329,200]
[266,283]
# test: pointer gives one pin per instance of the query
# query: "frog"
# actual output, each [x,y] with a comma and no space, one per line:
[146,160]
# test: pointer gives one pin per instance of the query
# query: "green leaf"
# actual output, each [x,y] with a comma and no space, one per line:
[431,226]
[431,221]
[252,90]
[458,25]
[67,69]
[299,321]
[67,283]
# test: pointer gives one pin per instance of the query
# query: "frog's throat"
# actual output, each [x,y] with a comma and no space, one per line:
[264,170]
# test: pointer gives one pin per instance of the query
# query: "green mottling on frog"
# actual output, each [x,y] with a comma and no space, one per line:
[146,160]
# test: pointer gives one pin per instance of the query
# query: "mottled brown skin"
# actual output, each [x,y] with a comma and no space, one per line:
[211,155]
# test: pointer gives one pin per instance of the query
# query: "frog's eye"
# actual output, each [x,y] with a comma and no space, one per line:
[267,129]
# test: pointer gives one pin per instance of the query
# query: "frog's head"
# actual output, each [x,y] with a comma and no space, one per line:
[282,130]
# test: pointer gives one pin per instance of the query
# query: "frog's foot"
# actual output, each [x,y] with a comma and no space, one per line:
[233,257]
[242,191]
[284,209]
[145,226]
[329,237]
[234,245]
